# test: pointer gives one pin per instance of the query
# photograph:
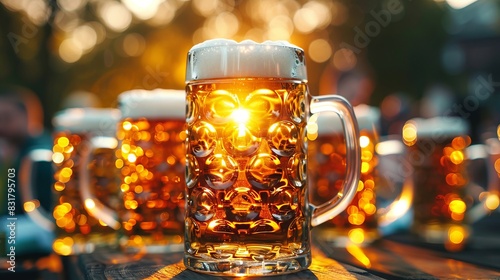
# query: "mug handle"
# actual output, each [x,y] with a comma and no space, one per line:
[400,205]
[482,151]
[339,105]
[39,215]
[91,203]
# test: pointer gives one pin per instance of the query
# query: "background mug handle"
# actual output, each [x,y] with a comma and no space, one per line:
[91,203]
[483,151]
[38,214]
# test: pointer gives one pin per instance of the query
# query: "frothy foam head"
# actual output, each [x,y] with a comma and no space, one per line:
[440,126]
[101,121]
[222,58]
[158,103]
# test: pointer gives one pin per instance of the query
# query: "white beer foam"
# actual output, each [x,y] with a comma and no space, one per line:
[157,103]
[79,120]
[368,118]
[222,58]
[442,126]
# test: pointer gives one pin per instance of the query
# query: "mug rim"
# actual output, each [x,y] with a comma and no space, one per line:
[220,42]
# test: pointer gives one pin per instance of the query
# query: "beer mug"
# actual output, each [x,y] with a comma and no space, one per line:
[246,181]
[439,150]
[151,159]
[359,224]
[86,180]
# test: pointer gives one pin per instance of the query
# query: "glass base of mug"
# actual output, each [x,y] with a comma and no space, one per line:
[238,268]
[343,237]
[146,244]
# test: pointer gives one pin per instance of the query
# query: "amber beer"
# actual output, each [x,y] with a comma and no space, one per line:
[327,153]
[151,157]
[253,174]
[437,152]
[247,208]
[86,181]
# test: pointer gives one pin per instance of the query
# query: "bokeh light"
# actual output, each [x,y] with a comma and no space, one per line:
[409,133]
[320,50]
[115,15]
[460,4]
[344,59]
[71,5]
[133,44]
[70,51]
[143,9]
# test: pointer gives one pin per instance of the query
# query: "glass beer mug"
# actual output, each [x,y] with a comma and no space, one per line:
[151,158]
[86,180]
[247,207]
[439,150]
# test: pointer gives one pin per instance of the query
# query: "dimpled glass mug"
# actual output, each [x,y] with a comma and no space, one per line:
[438,150]
[151,161]
[247,211]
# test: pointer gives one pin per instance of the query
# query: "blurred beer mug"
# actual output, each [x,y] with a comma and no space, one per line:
[360,223]
[246,181]
[439,150]
[151,157]
[86,181]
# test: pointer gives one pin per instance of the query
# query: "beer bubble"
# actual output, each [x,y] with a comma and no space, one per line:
[245,204]
[220,171]
[219,106]
[192,171]
[263,105]
[297,170]
[202,203]
[240,140]
[264,171]
[284,203]
[296,105]
[295,231]
[282,138]
[202,139]
[191,109]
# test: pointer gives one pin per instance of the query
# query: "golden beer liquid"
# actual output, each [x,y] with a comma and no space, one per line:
[439,180]
[151,161]
[246,171]
[77,230]
[327,155]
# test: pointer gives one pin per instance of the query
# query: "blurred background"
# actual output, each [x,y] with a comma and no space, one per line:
[411,58]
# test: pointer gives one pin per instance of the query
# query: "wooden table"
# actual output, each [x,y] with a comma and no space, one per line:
[390,258]
[398,256]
